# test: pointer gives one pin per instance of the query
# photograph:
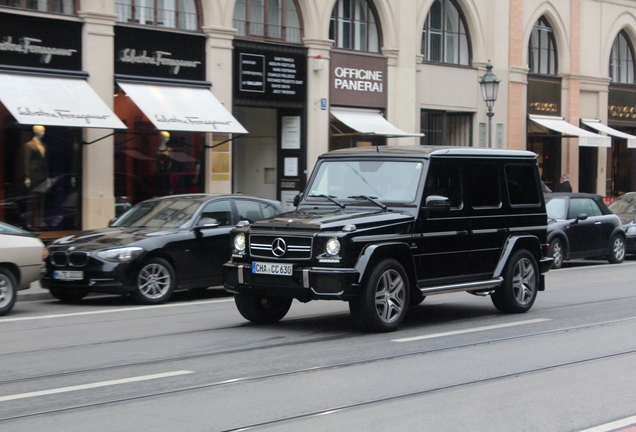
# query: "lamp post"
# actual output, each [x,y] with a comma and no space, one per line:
[489,89]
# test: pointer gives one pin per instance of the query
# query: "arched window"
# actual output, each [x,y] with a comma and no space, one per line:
[354,26]
[444,37]
[621,66]
[542,49]
[180,14]
[268,19]
[58,6]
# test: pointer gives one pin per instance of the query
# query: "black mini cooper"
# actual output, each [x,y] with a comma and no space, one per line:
[383,227]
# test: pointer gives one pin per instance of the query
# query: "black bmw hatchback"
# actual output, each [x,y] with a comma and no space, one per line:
[158,246]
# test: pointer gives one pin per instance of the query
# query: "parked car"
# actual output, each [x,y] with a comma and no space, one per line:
[625,208]
[383,227]
[21,260]
[581,226]
[156,247]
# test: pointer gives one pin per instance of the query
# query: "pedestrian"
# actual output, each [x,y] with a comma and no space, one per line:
[565,185]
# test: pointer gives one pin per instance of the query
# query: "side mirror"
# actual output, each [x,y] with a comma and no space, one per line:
[437,202]
[297,199]
[111,222]
[582,217]
[208,223]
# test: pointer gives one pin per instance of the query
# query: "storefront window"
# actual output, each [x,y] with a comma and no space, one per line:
[57,6]
[41,169]
[354,26]
[181,14]
[444,128]
[542,49]
[268,19]
[444,37]
[621,67]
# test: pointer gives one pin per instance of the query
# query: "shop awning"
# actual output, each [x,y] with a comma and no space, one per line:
[597,125]
[55,101]
[568,130]
[369,122]
[178,108]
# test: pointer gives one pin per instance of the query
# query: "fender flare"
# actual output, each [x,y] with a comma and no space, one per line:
[510,247]
[369,252]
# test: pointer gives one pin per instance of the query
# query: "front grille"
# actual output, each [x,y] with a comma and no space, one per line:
[73,259]
[281,247]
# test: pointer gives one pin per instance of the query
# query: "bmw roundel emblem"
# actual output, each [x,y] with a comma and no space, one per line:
[279,247]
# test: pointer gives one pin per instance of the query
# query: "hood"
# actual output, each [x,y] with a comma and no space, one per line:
[110,237]
[330,219]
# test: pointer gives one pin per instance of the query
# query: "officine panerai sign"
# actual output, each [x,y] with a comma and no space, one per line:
[40,42]
[159,54]
[358,80]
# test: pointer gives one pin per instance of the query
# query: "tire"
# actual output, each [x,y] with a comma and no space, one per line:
[262,309]
[156,282]
[521,283]
[617,250]
[8,291]
[557,252]
[67,296]
[384,300]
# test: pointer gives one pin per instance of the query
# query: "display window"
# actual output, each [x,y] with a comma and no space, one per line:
[151,163]
[41,175]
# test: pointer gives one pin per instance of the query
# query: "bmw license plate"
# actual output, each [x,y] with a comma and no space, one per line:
[68,275]
[272,269]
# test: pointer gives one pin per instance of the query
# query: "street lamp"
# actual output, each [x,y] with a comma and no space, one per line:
[489,89]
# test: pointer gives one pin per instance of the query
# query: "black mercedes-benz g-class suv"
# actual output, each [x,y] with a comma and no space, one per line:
[383,227]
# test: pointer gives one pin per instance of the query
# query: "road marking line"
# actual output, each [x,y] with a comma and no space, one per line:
[135,308]
[470,330]
[92,386]
[629,421]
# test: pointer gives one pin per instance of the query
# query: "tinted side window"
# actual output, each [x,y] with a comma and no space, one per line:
[445,179]
[583,205]
[219,210]
[522,184]
[252,210]
[269,211]
[483,189]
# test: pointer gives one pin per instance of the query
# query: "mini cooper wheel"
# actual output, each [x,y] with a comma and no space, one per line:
[156,282]
[557,252]
[521,283]
[67,296]
[384,300]
[617,250]
[262,309]
[8,291]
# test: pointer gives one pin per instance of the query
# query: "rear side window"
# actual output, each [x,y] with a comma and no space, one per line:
[583,205]
[483,189]
[445,179]
[521,181]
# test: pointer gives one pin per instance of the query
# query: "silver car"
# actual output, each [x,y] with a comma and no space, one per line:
[21,261]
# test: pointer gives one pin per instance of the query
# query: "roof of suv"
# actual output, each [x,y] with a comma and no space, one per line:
[429,151]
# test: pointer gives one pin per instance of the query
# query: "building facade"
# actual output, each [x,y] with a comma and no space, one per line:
[105,104]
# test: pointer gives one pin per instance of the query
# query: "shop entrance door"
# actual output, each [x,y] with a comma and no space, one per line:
[254,155]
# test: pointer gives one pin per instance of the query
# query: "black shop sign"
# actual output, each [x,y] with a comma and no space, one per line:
[270,73]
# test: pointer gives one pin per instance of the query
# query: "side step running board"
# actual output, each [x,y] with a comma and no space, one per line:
[470,286]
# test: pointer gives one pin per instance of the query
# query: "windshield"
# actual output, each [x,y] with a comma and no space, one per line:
[624,204]
[381,180]
[168,213]
[556,208]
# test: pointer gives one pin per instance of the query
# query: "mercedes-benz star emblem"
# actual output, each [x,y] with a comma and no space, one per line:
[279,247]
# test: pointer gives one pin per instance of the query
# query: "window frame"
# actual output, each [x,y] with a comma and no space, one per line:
[50,6]
[616,62]
[342,18]
[537,66]
[284,28]
[444,33]
[131,11]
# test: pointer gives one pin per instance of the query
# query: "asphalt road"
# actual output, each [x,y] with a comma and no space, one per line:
[456,364]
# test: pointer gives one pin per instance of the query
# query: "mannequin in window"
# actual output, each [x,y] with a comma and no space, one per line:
[163,164]
[35,165]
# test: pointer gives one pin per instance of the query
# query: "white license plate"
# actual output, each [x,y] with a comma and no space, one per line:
[68,275]
[272,269]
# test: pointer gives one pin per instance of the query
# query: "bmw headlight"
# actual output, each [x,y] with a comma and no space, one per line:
[332,247]
[120,254]
[239,242]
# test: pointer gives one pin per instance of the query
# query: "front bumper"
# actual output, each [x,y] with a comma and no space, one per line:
[104,278]
[305,284]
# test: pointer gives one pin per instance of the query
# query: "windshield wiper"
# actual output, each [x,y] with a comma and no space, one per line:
[329,197]
[370,198]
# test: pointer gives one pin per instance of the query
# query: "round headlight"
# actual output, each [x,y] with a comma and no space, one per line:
[333,246]
[239,242]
